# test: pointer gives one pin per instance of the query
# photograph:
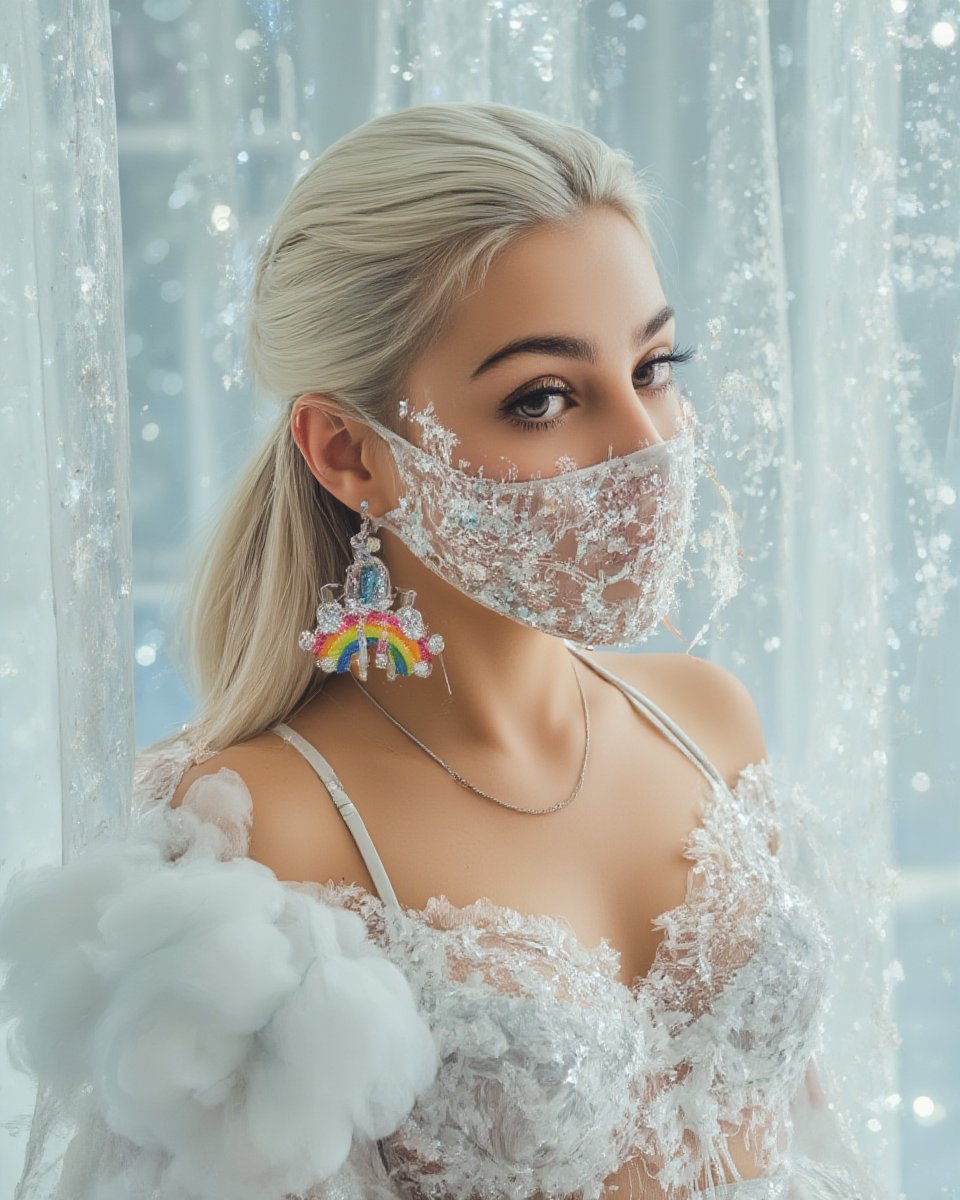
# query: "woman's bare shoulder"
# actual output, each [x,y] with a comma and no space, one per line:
[706,699]
[296,829]
[254,761]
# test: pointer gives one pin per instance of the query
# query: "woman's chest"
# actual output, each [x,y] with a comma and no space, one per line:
[553,1073]
[609,863]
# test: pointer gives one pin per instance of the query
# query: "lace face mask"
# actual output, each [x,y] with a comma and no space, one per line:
[591,554]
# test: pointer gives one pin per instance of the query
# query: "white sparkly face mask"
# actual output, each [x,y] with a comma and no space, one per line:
[589,554]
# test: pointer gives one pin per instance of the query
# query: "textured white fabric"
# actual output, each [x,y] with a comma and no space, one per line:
[210,1032]
[554,1072]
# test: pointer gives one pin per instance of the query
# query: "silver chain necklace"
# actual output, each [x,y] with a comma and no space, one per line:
[479,791]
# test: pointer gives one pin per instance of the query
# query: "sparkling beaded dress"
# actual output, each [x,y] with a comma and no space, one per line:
[203,1031]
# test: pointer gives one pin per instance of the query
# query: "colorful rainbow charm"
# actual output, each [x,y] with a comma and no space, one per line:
[361,624]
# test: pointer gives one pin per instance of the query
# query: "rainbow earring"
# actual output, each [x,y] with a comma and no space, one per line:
[360,622]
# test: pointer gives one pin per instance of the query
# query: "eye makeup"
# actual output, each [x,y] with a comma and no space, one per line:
[552,386]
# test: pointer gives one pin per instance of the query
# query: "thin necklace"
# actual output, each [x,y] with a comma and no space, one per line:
[479,791]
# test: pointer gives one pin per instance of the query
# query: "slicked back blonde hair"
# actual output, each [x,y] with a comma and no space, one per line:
[376,242]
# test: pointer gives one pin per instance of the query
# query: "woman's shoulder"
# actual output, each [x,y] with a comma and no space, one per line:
[706,699]
[294,827]
[160,945]
[254,760]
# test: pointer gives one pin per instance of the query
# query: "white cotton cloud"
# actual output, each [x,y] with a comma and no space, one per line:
[237,1030]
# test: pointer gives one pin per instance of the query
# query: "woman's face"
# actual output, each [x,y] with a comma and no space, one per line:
[563,354]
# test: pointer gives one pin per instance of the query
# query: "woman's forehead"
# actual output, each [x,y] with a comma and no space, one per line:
[593,282]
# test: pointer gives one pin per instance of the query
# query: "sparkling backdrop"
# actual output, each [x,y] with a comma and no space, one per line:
[810,163]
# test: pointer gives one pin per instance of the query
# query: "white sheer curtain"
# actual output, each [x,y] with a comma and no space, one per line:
[66,605]
[810,159]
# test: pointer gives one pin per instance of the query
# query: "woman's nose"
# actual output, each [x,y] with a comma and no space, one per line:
[643,427]
[643,418]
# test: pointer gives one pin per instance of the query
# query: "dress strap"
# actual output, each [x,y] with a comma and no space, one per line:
[346,808]
[659,718]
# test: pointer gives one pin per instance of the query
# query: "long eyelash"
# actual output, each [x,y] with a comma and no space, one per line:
[677,356]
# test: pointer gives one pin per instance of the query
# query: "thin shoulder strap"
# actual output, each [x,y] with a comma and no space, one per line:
[662,720]
[345,807]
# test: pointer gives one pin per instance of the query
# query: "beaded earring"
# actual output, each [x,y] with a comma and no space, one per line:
[360,621]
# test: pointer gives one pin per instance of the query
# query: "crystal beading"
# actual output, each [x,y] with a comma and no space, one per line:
[360,626]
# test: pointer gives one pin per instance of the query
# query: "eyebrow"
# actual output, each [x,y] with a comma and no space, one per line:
[570,347]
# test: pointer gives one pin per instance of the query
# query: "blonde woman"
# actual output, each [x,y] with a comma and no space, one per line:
[444,893]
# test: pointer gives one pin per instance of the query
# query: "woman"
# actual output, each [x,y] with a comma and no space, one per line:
[386,930]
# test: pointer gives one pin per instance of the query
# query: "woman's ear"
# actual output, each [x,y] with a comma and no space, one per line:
[344,454]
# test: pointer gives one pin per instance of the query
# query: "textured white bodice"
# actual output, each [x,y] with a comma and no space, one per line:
[204,1031]
[553,1072]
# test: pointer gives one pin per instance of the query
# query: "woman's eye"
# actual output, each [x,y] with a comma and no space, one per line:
[662,369]
[537,410]
[544,407]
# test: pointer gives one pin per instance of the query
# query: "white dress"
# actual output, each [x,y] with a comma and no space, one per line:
[203,1031]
